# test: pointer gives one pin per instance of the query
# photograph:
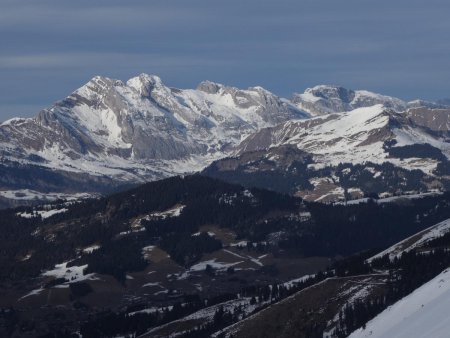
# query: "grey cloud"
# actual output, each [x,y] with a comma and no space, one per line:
[80,60]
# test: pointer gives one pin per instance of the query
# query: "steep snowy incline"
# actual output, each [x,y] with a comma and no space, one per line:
[422,314]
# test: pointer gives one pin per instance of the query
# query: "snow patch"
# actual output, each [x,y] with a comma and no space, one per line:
[172,212]
[91,248]
[42,213]
[72,273]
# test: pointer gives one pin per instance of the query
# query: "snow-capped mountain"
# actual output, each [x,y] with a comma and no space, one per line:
[144,120]
[367,150]
[109,133]
[141,129]
[362,135]
[325,99]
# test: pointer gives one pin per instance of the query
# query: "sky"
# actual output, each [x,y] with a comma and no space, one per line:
[49,48]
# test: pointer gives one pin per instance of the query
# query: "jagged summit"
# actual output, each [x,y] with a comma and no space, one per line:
[325,99]
[328,99]
[332,92]
[209,87]
[144,84]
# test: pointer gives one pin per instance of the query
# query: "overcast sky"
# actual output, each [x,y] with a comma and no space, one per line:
[49,48]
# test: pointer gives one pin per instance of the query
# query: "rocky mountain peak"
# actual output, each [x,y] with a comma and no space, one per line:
[99,84]
[326,99]
[144,84]
[332,92]
[428,104]
[209,87]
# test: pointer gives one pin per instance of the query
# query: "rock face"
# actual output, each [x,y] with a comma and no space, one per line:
[435,120]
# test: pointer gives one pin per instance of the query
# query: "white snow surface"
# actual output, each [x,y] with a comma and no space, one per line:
[151,310]
[43,213]
[175,211]
[91,248]
[72,273]
[422,314]
[220,266]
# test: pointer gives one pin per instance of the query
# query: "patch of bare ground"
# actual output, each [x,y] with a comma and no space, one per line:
[324,190]
[157,255]
[225,235]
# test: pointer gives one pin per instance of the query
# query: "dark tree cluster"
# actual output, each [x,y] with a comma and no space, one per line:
[114,258]
[345,230]
[186,249]
[416,150]
[389,178]
[357,314]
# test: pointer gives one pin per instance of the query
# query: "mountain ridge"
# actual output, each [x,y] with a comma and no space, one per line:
[141,129]
[346,155]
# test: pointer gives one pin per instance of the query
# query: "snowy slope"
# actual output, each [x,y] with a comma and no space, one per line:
[357,136]
[422,314]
